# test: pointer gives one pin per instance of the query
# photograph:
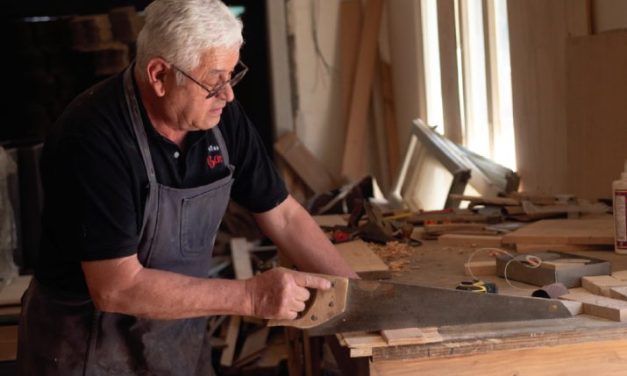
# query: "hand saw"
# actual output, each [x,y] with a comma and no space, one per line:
[362,305]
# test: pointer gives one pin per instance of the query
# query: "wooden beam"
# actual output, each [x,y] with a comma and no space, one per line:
[453,127]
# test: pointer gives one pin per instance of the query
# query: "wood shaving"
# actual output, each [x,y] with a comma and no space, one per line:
[396,255]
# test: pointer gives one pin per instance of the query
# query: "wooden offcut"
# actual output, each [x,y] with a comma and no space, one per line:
[411,336]
[601,284]
[304,164]
[360,257]
[607,308]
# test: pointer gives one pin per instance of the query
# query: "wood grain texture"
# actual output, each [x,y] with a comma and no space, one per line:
[606,357]
[361,257]
[600,306]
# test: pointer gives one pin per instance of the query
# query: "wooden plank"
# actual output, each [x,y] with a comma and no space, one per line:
[449,71]
[389,114]
[456,240]
[240,253]
[579,17]
[12,293]
[303,163]
[600,306]
[350,29]
[360,257]
[411,336]
[581,359]
[226,358]
[253,346]
[353,162]
[560,231]
[596,89]
[601,284]
[530,248]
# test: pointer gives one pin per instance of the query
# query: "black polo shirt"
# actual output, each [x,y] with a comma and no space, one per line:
[95,183]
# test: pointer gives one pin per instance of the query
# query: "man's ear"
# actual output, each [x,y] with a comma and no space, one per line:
[158,70]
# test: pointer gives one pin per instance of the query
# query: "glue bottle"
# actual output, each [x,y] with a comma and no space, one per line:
[619,192]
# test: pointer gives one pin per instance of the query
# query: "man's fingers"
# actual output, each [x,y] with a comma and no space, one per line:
[301,293]
[312,281]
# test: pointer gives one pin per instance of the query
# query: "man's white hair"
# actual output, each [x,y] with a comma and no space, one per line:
[181,30]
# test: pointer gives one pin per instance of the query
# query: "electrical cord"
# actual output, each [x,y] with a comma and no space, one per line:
[528,261]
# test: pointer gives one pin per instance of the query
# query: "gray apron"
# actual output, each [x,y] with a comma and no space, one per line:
[63,334]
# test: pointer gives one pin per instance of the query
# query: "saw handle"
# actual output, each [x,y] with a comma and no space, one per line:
[322,306]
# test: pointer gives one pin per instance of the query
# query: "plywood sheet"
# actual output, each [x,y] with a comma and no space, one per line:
[564,231]
[360,257]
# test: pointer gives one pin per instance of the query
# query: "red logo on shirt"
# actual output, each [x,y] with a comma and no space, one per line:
[214,160]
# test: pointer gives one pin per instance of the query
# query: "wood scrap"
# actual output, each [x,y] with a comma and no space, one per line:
[531,248]
[361,257]
[304,164]
[601,284]
[411,336]
[460,240]
[601,306]
[396,255]
[434,230]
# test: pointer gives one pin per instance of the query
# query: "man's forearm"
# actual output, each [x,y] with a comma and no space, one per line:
[303,242]
[159,294]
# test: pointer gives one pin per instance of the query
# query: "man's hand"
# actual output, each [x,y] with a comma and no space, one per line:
[281,293]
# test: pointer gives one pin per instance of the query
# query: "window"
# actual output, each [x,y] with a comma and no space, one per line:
[482,67]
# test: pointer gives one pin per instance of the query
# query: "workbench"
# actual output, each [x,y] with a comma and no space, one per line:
[581,345]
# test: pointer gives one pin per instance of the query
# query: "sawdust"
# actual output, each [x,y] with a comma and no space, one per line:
[396,255]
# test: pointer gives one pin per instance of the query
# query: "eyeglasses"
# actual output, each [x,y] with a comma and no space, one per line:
[219,87]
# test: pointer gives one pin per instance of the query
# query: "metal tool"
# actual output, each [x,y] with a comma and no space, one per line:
[360,305]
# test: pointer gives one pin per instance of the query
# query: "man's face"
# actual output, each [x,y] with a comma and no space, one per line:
[189,102]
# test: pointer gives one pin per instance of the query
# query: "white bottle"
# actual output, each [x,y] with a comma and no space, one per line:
[619,192]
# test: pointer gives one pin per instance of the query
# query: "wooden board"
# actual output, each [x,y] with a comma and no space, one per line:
[361,257]
[411,336]
[12,293]
[564,231]
[601,284]
[304,164]
[477,268]
[596,111]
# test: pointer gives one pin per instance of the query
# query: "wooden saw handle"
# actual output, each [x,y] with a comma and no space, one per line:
[322,306]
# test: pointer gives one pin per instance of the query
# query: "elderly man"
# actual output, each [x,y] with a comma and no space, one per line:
[137,176]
